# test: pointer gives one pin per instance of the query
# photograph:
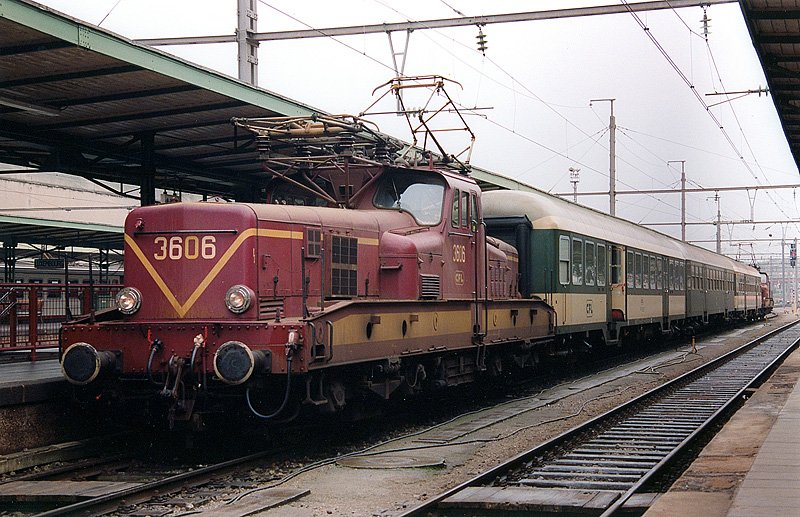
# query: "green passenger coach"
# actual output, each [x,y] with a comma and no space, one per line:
[609,279]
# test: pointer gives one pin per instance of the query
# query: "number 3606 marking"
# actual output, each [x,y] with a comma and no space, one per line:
[189,247]
[459,253]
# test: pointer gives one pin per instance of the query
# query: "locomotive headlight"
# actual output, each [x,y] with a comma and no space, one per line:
[129,300]
[238,299]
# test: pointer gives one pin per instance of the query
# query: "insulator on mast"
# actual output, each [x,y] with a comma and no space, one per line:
[706,25]
[263,146]
[481,37]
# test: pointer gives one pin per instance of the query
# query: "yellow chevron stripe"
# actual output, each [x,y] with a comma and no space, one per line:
[153,274]
[182,309]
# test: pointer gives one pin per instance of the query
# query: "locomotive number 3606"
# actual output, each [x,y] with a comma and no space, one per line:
[189,247]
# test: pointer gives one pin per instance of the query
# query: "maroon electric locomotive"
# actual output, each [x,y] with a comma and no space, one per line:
[362,276]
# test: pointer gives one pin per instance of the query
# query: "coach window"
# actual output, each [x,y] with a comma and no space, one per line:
[681,275]
[577,261]
[591,263]
[660,273]
[653,270]
[563,260]
[54,292]
[645,276]
[668,274]
[601,264]
[638,271]
[630,268]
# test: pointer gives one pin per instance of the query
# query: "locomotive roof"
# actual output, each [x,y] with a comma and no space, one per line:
[548,212]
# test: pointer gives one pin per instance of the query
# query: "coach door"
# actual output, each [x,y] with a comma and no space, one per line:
[618,305]
[662,275]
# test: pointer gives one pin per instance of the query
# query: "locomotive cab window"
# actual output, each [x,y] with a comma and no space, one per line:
[421,195]
[473,212]
[455,213]
[465,210]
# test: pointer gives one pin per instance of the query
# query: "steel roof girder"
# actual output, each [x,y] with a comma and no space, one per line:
[107,43]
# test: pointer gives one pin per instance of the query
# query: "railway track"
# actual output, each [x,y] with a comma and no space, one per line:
[92,488]
[602,466]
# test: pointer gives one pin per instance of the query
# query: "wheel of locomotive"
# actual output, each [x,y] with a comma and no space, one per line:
[336,393]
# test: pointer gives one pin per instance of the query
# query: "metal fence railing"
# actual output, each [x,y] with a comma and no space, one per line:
[31,315]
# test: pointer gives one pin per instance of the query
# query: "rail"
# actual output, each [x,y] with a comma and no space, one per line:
[617,452]
[31,315]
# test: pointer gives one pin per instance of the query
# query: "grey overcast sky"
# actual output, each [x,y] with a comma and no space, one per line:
[538,78]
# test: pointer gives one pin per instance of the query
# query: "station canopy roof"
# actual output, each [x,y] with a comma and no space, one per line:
[60,233]
[774,27]
[79,99]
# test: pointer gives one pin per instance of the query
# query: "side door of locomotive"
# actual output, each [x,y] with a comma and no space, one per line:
[463,249]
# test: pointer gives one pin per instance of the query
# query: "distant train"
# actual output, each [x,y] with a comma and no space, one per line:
[51,295]
[31,275]
[364,278]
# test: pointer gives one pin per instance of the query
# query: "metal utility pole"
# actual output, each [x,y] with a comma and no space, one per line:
[574,178]
[719,224]
[794,296]
[246,29]
[783,264]
[683,196]
[612,157]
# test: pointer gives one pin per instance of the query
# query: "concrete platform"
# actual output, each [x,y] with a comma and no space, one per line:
[27,382]
[752,467]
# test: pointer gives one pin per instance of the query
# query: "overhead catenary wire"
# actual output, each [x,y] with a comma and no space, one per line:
[100,23]
[697,95]
[530,94]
